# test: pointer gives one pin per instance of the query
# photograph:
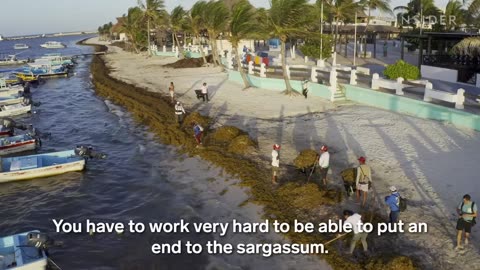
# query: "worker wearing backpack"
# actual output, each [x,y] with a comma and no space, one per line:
[393,202]
[467,211]
[197,133]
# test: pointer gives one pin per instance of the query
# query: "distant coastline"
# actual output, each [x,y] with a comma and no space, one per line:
[77,33]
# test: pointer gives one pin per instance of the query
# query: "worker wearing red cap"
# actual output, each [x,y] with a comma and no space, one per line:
[324,163]
[364,180]
[275,163]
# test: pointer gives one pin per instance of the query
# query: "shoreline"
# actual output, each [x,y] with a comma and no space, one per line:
[249,174]
[278,204]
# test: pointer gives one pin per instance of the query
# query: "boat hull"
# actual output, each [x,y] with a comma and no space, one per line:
[52,46]
[7,93]
[18,147]
[10,101]
[15,249]
[42,172]
[4,133]
[15,109]
[53,75]
[12,63]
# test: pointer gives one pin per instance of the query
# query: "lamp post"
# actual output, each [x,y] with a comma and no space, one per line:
[321,31]
[355,41]
[421,17]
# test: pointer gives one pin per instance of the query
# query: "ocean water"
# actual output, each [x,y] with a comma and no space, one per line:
[142,180]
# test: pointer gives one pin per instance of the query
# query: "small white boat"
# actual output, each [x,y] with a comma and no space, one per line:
[5,132]
[42,165]
[14,109]
[10,100]
[10,90]
[11,60]
[53,45]
[17,144]
[21,252]
[20,46]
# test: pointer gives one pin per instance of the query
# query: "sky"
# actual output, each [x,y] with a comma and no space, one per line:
[25,17]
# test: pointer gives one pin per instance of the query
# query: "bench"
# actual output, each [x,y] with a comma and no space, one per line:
[458,98]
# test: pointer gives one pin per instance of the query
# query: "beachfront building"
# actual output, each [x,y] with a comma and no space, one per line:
[1,38]
[436,61]
[117,30]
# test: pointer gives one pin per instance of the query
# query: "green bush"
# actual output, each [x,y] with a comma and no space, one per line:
[402,69]
[312,47]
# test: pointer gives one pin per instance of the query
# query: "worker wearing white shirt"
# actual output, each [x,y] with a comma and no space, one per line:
[204,92]
[275,163]
[356,221]
[324,163]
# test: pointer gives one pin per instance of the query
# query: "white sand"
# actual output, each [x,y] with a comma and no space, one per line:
[431,163]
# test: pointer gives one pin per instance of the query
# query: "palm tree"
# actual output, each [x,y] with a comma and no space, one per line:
[341,10]
[177,18]
[369,5]
[194,22]
[242,24]
[152,10]
[454,8]
[473,7]
[286,20]
[132,25]
[216,18]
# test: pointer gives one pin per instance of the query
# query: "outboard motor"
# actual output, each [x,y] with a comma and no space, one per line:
[10,124]
[42,242]
[38,240]
[88,152]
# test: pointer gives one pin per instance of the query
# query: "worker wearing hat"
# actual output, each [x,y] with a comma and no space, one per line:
[179,112]
[324,163]
[363,181]
[393,202]
[275,163]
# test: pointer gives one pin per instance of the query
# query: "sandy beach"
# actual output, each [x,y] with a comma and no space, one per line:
[431,163]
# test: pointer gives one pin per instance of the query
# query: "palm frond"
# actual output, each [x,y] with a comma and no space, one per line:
[468,46]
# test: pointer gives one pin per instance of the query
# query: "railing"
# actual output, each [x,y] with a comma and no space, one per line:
[451,61]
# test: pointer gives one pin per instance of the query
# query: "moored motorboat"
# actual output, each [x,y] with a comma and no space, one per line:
[5,131]
[11,90]
[41,165]
[11,79]
[18,143]
[27,77]
[11,60]
[9,100]
[14,109]
[45,71]
[23,251]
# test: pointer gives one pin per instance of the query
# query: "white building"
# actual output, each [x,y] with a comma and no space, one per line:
[1,38]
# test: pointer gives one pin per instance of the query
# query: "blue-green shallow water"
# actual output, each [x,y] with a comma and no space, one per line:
[141,180]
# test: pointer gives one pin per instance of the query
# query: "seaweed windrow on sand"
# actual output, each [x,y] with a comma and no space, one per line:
[230,148]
